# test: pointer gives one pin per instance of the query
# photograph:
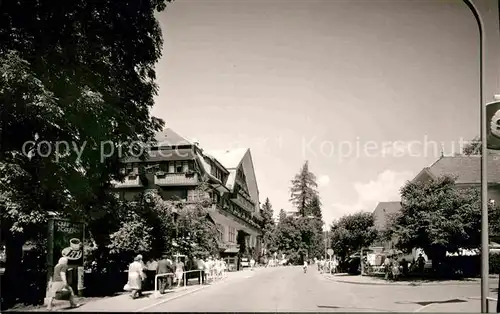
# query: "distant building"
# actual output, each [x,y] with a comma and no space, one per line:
[176,167]
[381,216]
[466,169]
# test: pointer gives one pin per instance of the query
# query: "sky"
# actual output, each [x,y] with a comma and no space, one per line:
[369,91]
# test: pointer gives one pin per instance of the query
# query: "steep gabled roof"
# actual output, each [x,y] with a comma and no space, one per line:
[230,159]
[467,169]
[169,137]
[382,212]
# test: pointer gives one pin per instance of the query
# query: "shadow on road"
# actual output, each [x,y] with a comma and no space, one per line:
[424,303]
[334,307]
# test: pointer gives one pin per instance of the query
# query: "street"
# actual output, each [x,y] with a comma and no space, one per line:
[286,289]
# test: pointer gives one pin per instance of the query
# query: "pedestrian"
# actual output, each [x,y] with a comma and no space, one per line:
[421,264]
[404,266]
[201,267]
[136,276]
[151,266]
[387,267]
[208,268]
[59,285]
[252,263]
[335,264]
[164,266]
[395,269]
[179,272]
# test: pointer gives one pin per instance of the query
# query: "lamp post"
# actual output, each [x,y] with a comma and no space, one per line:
[484,159]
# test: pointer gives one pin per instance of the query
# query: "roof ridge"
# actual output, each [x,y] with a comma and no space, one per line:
[435,162]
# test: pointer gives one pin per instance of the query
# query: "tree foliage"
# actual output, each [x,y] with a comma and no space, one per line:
[133,236]
[472,148]
[314,208]
[67,76]
[268,229]
[282,215]
[439,217]
[300,236]
[351,233]
[303,190]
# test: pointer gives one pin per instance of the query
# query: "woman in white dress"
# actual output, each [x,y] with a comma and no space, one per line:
[135,277]
[179,272]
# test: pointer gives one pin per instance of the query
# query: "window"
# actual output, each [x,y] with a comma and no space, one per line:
[185,166]
[178,166]
[232,234]
[164,166]
[220,230]
[171,167]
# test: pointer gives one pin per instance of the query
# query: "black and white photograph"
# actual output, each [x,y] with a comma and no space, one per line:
[250,156]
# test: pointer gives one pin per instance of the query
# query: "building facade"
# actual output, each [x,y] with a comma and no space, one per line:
[175,167]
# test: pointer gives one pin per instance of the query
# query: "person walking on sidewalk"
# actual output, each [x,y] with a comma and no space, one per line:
[59,284]
[165,266]
[252,263]
[201,267]
[179,272]
[136,276]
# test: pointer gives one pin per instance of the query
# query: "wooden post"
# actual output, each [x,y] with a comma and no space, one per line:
[50,255]
[81,269]
[361,260]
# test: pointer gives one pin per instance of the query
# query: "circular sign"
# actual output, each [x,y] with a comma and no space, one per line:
[495,124]
[330,252]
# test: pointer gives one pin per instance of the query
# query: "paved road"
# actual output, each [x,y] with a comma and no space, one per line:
[289,289]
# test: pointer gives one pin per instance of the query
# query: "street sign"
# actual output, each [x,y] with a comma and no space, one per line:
[493,125]
[330,252]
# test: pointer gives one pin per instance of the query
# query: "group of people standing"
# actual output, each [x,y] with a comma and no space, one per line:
[171,271]
[326,266]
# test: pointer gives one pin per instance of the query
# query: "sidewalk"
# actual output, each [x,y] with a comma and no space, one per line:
[369,280]
[123,302]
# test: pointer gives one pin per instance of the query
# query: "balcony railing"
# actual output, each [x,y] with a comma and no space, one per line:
[244,202]
[243,214]
[175,179]
[129,182]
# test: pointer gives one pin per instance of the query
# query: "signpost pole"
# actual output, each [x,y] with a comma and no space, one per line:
[81,269]
[50,254]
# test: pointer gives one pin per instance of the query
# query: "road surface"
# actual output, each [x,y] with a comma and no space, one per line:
[285,289]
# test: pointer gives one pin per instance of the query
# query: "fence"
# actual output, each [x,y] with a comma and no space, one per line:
[185,276]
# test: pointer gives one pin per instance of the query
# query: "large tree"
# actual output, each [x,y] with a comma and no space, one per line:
[268,229]
[438,217]
[314,208]
[303,190]
[289,239]
[282,215]
[77,76]
[351,233]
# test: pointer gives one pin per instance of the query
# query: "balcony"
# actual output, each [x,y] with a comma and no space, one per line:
[241,200]
[243,214]
[176,179]
[132,181]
